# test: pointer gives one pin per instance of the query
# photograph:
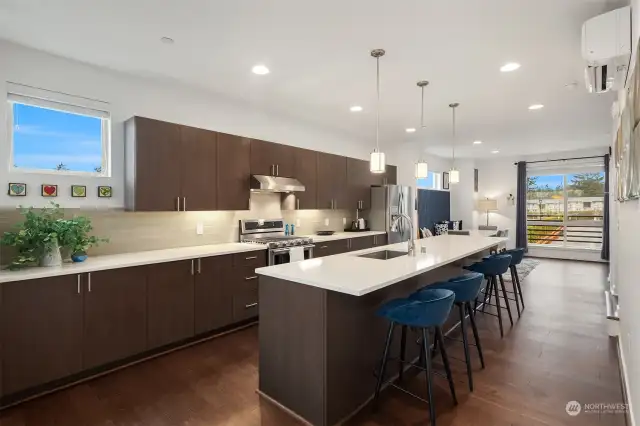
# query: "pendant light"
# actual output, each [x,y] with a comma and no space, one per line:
[422,168]
[454,174]
[377,163]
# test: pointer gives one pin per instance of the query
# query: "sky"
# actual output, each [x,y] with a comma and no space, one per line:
[44,138]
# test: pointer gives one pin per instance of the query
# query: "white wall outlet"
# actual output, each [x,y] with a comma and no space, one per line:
[326,221]
[344,221]
[298,221]
[199,228]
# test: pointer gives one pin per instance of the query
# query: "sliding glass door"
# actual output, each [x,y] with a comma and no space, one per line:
[565,209]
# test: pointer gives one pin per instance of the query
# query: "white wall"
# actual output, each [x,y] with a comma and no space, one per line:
[463,195]
[129,95]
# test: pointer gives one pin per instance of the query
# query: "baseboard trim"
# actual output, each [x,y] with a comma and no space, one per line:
[630,418]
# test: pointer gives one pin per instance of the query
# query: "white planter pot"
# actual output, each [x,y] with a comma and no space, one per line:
[51,256]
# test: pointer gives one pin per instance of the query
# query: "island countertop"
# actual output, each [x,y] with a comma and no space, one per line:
[347,273]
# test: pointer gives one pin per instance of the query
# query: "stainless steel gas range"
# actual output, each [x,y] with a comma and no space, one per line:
[270,232]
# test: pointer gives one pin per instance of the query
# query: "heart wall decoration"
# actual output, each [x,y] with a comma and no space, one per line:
[49,190]
[17,189]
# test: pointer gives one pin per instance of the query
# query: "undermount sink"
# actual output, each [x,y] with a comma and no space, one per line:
[384,254]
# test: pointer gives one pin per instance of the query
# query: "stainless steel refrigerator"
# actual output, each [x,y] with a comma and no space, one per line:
[387,202]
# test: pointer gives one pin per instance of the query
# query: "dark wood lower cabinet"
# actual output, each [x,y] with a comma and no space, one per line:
[213,294]
[380,240]
[115,315]
[361,243]
[41,331]
[170,307]
[329,248]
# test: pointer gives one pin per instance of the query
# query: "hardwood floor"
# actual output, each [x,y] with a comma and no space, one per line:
[557,352]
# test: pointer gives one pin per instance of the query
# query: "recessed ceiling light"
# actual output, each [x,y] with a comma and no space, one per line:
[260,70]
[167,40]
[511,66]
[536,106]
[495,151]
[477,142]
[410,130]
[355,108]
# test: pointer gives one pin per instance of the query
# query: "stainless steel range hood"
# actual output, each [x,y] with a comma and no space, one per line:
[261,183]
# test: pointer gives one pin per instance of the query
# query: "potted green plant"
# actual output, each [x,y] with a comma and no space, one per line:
[76,239]
[39,238]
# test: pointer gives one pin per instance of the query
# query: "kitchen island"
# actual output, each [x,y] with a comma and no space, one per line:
[320,340]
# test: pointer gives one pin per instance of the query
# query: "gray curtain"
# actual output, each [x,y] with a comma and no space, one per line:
[605,224]
[521,206]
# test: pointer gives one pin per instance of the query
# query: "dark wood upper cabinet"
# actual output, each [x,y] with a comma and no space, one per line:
[170,303]
[332,182]
[115,315]
[41,331]
[234,172]
[306,171]
[152,158]
[360,179]
[389,177]
[272,159]
[198,169]
[213,293]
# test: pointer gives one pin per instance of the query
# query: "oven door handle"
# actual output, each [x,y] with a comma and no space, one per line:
[285,250]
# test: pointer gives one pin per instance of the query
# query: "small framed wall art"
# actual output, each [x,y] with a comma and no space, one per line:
[49,190]
[445,180]
[17,189]
[78,191]
[104,192]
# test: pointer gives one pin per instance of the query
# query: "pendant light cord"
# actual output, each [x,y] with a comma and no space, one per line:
[422,109]
[378,104]
[453,142]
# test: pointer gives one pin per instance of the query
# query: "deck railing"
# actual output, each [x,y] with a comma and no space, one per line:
[583,231]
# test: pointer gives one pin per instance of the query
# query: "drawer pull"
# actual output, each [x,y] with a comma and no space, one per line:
[251,305]
[250,257]
[323,247]
[251,278]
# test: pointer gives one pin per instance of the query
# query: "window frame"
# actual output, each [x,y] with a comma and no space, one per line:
[14,97]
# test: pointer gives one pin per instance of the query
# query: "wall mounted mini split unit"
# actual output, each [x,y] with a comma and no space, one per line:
[606,46]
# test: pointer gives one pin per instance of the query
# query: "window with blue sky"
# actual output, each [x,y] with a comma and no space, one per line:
[50,139]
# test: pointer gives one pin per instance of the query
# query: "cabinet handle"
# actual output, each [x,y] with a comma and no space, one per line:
[199,265]
[89,282]
[375,240]
[178,198]
[192,267]
[78,283]
[184,204]
[250,257]
[251,278]
[298,203]
[273,170]
[277,169]
[251,305]
[324,247]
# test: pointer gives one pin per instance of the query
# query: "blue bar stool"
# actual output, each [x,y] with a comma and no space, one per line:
[493,267]
[466,289]
[516,258]
[431,311]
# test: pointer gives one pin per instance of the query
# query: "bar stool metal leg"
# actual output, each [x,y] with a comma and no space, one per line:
[403,344]
[383,364]
[506,299]
[429,373]
[516,281]
[489,291]
[472,319]
[465,343]
[493,280]
[447,366]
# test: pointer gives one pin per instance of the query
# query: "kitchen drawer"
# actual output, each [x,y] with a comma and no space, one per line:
[254,259]
[329,248]
[245,301]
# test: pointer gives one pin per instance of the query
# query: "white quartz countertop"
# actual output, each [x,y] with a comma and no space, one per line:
[99,263]
[347,273]
[343,236]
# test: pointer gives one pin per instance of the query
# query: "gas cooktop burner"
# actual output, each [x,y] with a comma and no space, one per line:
[275,241]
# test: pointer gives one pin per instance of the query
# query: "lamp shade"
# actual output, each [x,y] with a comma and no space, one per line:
[377,164]
[487,205]
[422,170]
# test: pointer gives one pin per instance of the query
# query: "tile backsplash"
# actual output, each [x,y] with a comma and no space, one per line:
[130,232]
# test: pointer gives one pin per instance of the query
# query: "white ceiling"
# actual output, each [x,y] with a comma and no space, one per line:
[318,53]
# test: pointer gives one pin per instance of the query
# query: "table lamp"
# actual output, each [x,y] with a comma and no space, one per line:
[488,205]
